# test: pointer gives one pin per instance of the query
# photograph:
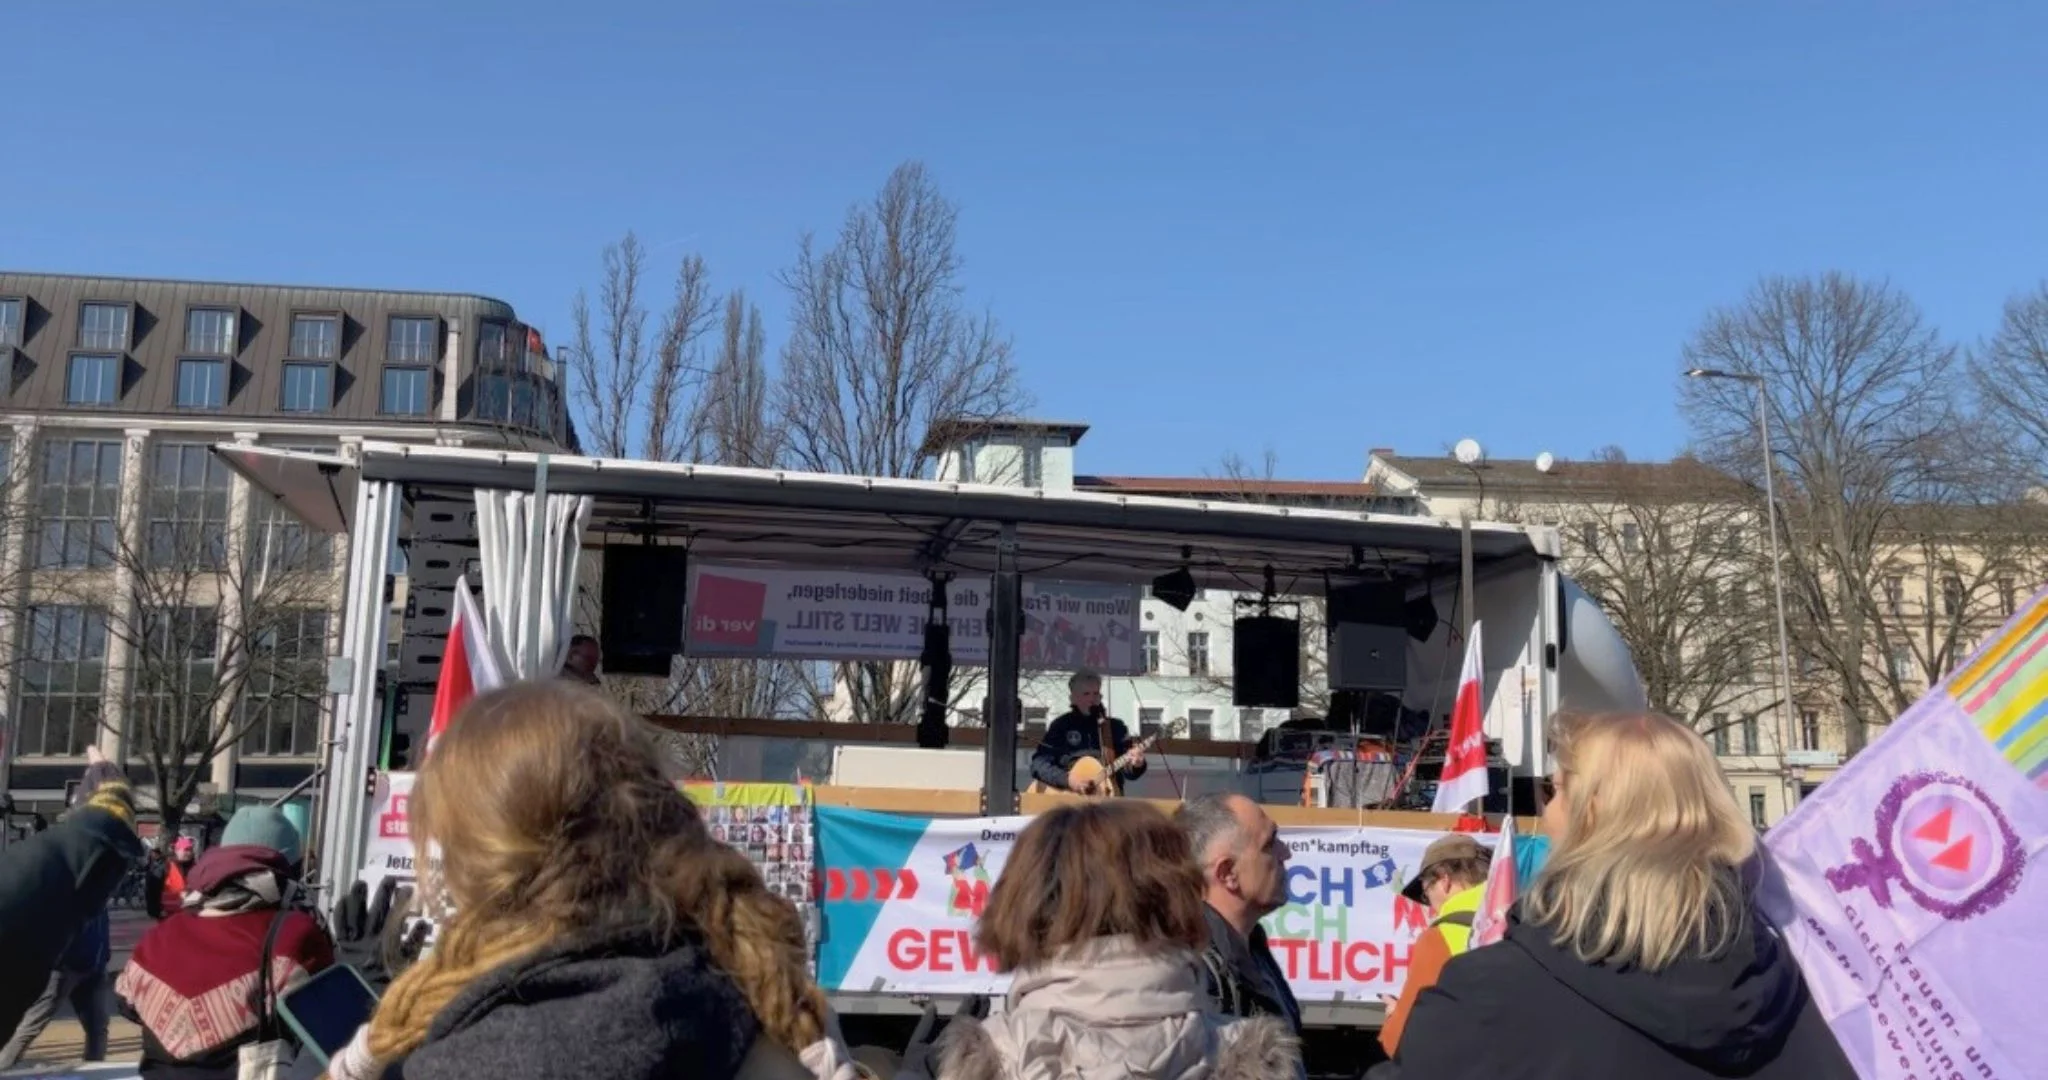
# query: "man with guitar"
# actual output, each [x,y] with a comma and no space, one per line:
[1080,733]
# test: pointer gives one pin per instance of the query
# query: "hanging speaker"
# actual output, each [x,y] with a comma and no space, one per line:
[645,589]
[1370,624]
[1265,662]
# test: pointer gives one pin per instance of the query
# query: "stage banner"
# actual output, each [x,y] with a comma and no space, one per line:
[1936,828]
[899,895]
[750,611]
[388,852]
[711,793]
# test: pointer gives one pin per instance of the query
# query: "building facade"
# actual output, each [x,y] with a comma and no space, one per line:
[149,604]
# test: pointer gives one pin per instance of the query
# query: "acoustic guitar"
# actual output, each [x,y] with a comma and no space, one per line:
[1091,768]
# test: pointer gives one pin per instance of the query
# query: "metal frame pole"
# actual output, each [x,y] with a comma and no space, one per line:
[354,728]
[1785,716]
[1006,613]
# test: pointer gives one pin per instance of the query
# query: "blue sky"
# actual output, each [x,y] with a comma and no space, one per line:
[1314,228]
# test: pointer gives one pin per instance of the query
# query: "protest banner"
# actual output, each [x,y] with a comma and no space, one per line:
[900,894]
[388,851]
[1926,834]
[751,611]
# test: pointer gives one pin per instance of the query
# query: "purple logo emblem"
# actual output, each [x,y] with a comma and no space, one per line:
[1944,843]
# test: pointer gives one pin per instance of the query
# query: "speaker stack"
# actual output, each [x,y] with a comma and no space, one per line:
[645,589]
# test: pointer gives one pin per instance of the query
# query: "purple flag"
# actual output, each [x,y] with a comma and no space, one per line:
[1935,829]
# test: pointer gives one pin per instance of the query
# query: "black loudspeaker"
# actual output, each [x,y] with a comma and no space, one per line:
[1370,624]
[645,590]
[1265,662]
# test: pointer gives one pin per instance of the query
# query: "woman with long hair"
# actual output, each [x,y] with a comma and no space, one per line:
[1098,917]
[1637,952]
[597,930]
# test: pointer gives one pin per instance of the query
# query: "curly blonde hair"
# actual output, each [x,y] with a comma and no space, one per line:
[552,814]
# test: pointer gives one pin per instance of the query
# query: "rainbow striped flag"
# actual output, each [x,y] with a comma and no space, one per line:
[2004,691]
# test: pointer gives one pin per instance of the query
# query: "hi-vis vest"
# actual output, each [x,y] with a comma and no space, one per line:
[1454,919]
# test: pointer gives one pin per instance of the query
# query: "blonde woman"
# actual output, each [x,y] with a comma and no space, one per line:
[598,932]
[1637,952]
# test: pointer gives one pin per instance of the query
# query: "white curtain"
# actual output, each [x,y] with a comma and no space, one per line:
[512,591]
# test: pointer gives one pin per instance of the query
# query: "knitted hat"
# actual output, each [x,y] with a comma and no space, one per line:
[263,826]
[105,788]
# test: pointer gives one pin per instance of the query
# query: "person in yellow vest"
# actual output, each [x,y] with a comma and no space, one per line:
[1451,881]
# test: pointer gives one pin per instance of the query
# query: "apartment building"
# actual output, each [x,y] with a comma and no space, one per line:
[138,575]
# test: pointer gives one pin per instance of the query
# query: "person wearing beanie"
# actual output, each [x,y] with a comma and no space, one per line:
[264,827]
[56,882]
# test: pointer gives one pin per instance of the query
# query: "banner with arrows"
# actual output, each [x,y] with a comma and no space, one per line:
[899,896]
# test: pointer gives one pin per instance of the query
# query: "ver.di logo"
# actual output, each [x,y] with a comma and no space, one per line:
[1945,844]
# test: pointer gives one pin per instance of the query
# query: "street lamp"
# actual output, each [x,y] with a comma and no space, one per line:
[1763,423]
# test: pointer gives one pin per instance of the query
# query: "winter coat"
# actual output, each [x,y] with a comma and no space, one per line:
[51,885]
[1527,1009]
[1108,1011]
[1243,977]
[603,1005]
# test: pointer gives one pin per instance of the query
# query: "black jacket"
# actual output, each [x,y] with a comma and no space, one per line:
[51,885]
[1243,977]
[1526,1009]
[601,1006]
[1073,736]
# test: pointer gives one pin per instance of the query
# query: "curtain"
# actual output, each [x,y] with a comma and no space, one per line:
[512,591]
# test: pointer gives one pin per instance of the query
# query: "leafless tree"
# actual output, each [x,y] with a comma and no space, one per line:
[882,350]
[635,397]
[2011,375]
[1863,397]
[226,636]
[1670,552]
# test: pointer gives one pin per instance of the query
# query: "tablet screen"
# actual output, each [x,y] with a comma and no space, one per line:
[329,1007]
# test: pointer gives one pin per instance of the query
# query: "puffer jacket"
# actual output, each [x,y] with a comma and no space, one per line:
[1107,1011]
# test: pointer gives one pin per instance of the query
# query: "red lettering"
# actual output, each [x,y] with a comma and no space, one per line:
[1397,957]
[1367,973]
[1409,915]
[906,950]
[1292,947]
[942,950]
[1315,958]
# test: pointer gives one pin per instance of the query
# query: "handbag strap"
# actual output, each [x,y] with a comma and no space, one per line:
[263,996]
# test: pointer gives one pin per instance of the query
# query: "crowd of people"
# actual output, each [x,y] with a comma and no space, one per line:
[588,925]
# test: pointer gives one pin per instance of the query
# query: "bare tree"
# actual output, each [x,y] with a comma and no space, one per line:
[2011,375]
[635,397]
[881,351]
[1670,552]
[1862,392]
[225,635]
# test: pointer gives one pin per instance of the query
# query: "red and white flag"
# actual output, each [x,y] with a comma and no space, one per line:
[1464,775]
[1491,920]
[469,666]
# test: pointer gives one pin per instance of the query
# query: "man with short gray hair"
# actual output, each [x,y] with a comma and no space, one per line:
[1244,878]
[1078,734]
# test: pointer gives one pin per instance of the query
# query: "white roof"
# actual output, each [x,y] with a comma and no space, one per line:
[814,519]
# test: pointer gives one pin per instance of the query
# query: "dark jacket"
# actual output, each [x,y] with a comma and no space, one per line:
[1526,1009]
[91,949]
[604,1005]
[1072,737]
[1243,977]
[51,885]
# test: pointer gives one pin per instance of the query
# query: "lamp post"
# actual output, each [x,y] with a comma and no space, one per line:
[1763,423]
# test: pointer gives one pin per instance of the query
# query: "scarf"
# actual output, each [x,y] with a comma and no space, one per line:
[193,976]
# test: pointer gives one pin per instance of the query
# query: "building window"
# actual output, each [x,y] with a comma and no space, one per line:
[1809,729]
[1902,663]
[287,679]
[63,664]
[1720,736]
[1749,740]
[1589,535]
[406,391]
[1895,595]
[494,398]
[12,312]
[1033,721]
[92,379]
[202,383]
[2007,598]
[76,502]
[210,332]
[1756,807]
[1710,597]
[1148,649]
[173,662]
[1198,652]
[1033,454]
[316,337]
[495,345]
[188,507]
[1201,723]
[103,326]
[1251,723]
[1150,719]
[1631,537]
[1738,597]
[307,388]
[1953,596]
[413,340]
